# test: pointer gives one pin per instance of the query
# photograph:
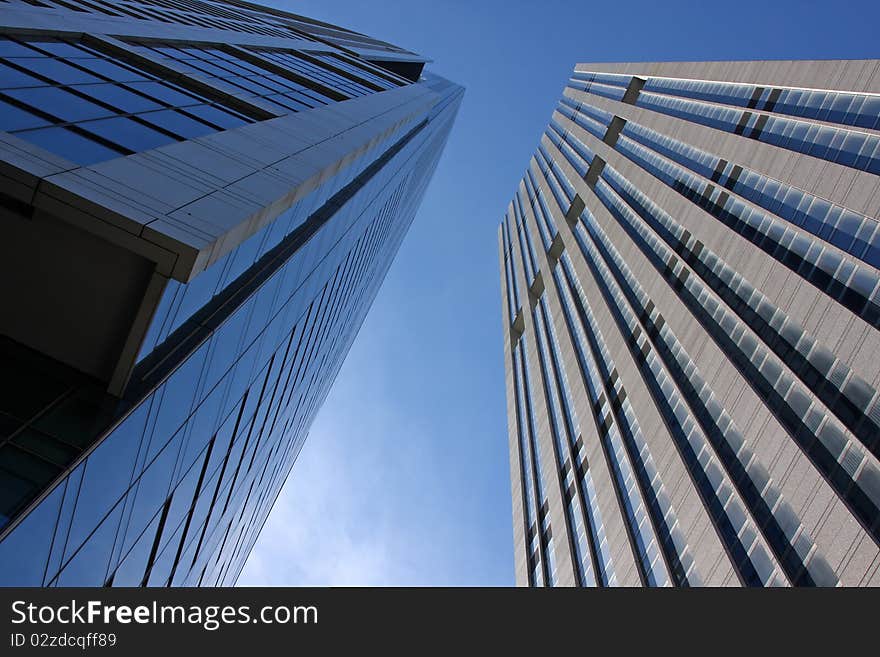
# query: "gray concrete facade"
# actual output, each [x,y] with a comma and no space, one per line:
[690,275]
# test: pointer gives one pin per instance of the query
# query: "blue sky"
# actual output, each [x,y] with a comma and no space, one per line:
[404,479]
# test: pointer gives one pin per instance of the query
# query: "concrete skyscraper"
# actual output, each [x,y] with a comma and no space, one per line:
[689,274]
[199,202]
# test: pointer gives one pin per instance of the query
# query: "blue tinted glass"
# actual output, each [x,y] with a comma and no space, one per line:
[107,474]
[64,49]
[177,399]
[160,317]
[279,104]
[178,123]
[70,145]
[56,70]
[202,425]
[164,93]
[243,68]
[188,53]
[242,65]
[9,48]
[167,51]
[104,481]
[128,133]
[296,101]
[120,98]
[216,116]
[60,103]
[273,83]
[130,571]
[160,570]
[64,516]
[113,71]
[182,498]
[311,93]
[134,563]
[23,553]
[226,341]
[210,69]
[197,293]
[14,118]
[11,78]
[152,488]
[89,564]
[251,85]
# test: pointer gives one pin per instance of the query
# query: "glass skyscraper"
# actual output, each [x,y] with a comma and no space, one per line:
[689,274]
[199,200]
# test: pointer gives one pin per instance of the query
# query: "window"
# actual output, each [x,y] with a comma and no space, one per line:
[284,94]
[88,107]
[299,64]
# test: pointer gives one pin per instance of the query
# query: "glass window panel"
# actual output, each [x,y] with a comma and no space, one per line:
[70,145]
[217,116]
[211,69]
[284,104]
[282,84]
[178,123]
[65,49]
[23,553]
[177,400]
[114,71]
[152,488]
[188,53]
[160,570]
[321,98]
[182,498]
[56,70]
[108,473]
[10,48]
[123,99]
[164,93]
[300,102]
[60,103]
[849,149]
[245,67]
[251,85]
[168,51]
[357,69]
[15,118]
[131,571]
[89,564]
[128,133]
[11,78]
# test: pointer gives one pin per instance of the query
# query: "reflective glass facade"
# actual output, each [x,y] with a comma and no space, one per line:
[693,249]
[89,106]
[168,478]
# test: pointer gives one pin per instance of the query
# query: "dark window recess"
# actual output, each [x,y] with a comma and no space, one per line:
[49,413]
